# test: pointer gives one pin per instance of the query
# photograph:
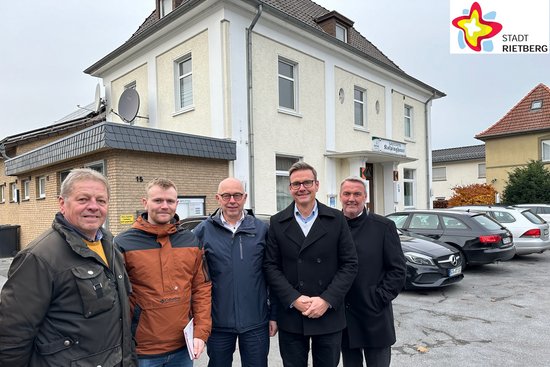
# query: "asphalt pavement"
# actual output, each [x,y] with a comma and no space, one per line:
[497,316]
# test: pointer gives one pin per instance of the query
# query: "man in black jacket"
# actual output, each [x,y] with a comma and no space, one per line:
[65,302]
[310,263]
[370,327]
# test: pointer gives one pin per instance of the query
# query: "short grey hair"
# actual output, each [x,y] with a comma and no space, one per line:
[82,174]
[302,166]
[354,179]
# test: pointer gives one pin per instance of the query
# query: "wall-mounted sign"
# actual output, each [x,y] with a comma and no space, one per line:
[388,146]
[127,219]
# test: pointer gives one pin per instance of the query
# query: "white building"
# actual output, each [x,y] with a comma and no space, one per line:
[286,80]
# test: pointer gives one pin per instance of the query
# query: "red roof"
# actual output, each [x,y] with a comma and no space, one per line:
[522,118]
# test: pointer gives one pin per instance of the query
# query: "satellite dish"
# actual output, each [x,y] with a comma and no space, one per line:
[128,105]
[97,102]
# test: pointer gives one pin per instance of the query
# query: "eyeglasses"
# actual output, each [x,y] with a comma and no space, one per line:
[226,197]
[296,184]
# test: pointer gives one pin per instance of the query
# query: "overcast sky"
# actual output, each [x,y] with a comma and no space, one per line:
[47,45]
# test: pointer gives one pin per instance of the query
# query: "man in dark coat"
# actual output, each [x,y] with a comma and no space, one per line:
[310,263]
[370,331]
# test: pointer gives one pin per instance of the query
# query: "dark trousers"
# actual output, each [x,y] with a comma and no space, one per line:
[375,357]
[253,347]
[325,349]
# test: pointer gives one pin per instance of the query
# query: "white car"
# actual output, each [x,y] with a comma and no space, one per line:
[542,210]
[529,230]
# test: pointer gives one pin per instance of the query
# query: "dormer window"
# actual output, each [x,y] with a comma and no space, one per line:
[536,105]
[341,33]
[166,6]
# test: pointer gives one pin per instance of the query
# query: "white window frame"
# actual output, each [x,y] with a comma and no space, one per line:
[481,170]
[362,102]
[343,34]
[184,105]
[2,193]
[293,80]
[166,6]
[283,174]
[545,153]
[536,105]
[408,122]
[26,187]
[409,184]
[13,192]
[441,175]
[41,187]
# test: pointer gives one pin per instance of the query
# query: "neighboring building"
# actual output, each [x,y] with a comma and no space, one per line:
[523,134]
[35,163]
[459,166]
[287,80]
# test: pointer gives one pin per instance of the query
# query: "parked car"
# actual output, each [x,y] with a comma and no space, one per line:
[429,263]
[480,239]
[529,230]
[542,210]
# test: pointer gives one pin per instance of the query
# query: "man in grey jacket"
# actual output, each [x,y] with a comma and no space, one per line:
[66,298]
[234,242]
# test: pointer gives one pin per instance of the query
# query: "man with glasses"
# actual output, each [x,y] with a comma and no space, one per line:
[310,264]
[234,241]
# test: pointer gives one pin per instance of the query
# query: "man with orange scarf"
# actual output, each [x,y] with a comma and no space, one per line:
[170,283]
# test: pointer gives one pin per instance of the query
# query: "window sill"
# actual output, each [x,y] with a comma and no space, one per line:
[41,198]
[361,128]
[289,112]
[410,140]
[184,110]
[25,199]
[439,179]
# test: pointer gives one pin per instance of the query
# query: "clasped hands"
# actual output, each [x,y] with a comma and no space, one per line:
[312,307]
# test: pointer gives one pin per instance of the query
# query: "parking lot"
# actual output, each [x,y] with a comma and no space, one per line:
[497,316]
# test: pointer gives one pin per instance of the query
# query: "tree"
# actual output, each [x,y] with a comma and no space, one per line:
[474,194]
[528,184]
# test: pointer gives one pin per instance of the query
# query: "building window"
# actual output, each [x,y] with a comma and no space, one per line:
[41,187]
[546,150]
[481,170]
[341,33]
[26,186]
[2,193]
[165,7]
[13,192]
[184,84]
[131,85]
[409,187]
[536,105]
[408,121]
[190,206]
[439,173]
[282,165]
[359,103]
[287,85]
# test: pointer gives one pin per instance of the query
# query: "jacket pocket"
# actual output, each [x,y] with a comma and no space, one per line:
[54,346]
[96,290]
[108,358]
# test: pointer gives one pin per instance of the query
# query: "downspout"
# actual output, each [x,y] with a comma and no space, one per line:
[251,189]
[428,153]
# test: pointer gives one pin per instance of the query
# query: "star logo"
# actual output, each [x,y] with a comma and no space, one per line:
[475,29]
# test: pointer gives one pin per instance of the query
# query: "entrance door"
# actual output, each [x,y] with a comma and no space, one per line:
[367,173]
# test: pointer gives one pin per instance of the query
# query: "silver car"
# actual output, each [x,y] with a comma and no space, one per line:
[542,210]
[529,230]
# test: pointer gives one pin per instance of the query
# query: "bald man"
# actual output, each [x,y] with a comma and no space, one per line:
[234,241]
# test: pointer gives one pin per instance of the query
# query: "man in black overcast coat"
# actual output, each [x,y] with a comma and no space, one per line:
[310,263]
[370,327]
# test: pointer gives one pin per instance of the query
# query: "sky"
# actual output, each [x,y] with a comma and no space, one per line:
[47,46]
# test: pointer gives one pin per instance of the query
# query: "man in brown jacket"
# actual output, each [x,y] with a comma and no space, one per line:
[169,281]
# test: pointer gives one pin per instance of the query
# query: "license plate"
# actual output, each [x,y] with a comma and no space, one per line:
[506,240]
[455,271]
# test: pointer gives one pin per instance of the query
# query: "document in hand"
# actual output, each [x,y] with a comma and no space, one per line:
[188,334]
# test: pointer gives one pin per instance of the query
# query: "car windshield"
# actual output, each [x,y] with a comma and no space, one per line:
[533,218]
[486,222]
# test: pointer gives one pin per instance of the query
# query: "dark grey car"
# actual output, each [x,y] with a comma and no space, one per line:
[480,239]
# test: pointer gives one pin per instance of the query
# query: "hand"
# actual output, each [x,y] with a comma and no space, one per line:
[317,308]
[198,347]
[272,328]
[302,303]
